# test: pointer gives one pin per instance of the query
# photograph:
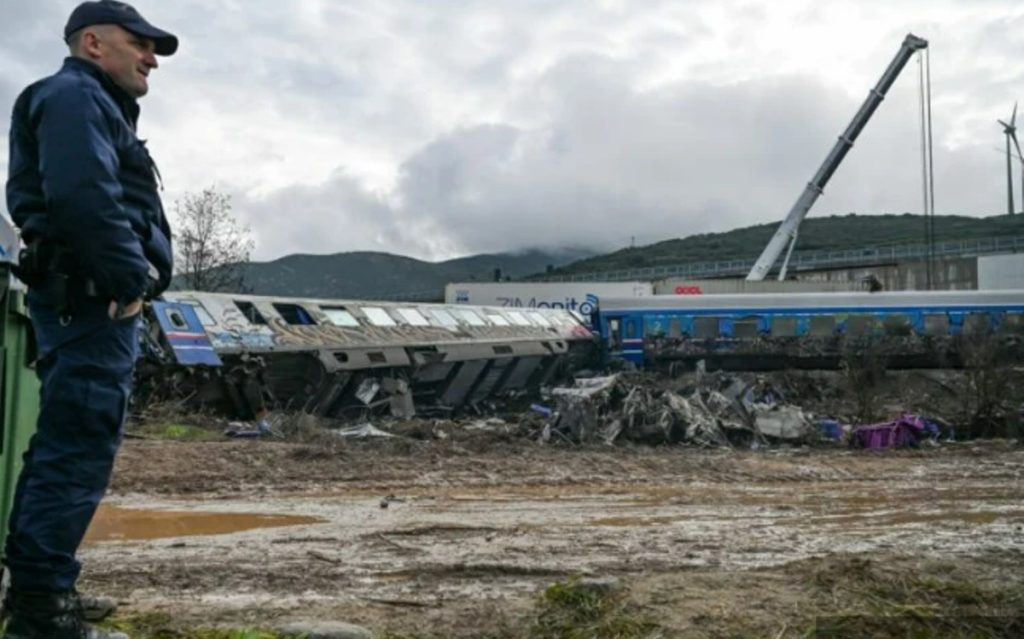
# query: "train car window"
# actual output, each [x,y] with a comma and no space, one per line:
[176,319]
[654,327]
[822,326]
[746,328]
[784,326]
[538,319]
[631,332]
[564,319]
[470,317]
[561,317]
[860,325]
[443,317]
[705,327]
[977,323]
[378,316]
[413,317]
[936,324]
[294,314]
[675,327]
[898,325]
[498,320]
[1012,323]
[518,318]
[204,316]
[339,316]
[250,312]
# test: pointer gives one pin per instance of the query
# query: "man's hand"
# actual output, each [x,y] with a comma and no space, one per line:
[131,309]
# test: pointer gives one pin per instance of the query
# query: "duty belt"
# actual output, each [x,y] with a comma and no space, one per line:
[62,291]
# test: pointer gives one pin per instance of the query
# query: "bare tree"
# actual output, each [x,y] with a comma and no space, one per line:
[211,247]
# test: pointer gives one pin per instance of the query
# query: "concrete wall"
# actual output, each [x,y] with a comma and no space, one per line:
[953,274]
[1001,272]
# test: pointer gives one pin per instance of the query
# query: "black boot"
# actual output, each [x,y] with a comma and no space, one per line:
[49,615]
[94,607]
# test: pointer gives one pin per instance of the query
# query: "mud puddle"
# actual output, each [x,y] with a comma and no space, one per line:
[128,524]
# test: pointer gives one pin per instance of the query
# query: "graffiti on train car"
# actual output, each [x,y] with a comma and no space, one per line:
[277,332]
[331,357]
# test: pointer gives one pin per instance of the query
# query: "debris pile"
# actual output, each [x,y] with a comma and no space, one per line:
[709,410]
[620,407]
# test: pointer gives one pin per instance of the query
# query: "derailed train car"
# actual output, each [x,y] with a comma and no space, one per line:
[244,354]
[812,330]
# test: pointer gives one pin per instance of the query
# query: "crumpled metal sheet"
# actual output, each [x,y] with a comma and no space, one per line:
[611,408]
[781,421]
[362,431]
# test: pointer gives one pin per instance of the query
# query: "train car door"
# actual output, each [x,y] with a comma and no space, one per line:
[633,339]
[622,337]
[613,342]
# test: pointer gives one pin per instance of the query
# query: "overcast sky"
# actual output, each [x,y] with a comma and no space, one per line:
[439,128]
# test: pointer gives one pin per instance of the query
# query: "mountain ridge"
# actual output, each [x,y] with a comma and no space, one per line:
[380,275]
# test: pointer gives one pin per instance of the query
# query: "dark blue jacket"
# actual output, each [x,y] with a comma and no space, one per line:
[81,177]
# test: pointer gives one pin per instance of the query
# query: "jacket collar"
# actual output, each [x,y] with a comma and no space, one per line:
[129,105]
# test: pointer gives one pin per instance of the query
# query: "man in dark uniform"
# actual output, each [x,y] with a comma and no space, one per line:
[83,189]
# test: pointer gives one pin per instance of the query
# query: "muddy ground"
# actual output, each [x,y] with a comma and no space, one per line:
[458,536]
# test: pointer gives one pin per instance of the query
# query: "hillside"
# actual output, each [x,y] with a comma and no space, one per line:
[832,233]
[371,275]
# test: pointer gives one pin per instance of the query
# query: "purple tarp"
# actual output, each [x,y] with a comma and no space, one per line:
[908,430]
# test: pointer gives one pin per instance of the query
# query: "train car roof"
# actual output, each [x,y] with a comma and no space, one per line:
[815,300]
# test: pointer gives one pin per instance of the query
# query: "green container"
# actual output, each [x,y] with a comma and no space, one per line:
[19,403]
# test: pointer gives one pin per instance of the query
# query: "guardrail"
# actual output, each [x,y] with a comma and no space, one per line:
[806,260]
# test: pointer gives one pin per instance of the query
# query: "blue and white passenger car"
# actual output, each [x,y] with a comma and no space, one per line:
[643,330]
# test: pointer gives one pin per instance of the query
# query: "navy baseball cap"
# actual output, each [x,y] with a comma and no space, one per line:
[123,15]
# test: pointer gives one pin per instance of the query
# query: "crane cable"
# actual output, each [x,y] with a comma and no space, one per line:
[931,165]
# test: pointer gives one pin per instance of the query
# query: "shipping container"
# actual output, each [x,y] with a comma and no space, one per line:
[580,297]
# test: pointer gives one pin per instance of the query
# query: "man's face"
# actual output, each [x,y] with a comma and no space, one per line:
[126,57]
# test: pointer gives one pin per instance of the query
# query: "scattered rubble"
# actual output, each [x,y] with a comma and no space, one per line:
[363,430]
[629,408]
[704,409]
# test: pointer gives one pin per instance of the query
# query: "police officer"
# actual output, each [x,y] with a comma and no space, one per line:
[83,189]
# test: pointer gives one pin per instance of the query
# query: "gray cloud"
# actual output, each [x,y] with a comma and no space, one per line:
[444,128]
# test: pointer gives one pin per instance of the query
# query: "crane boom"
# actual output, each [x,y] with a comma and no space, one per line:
[787,232]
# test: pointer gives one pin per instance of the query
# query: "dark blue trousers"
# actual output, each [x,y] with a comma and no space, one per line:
[85,368]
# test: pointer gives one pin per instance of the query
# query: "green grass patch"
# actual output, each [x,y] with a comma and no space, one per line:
[879,601]
[573,609]
[162,626]
[177,432]
[579,610]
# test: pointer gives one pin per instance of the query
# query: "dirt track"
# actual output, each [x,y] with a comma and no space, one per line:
[473,529]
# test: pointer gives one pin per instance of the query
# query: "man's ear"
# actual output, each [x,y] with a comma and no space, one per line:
[91,43]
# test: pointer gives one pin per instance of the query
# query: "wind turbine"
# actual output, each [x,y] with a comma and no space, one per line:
[1010,131]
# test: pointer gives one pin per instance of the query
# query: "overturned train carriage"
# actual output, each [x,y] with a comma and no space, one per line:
[814,330]
[244,354]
